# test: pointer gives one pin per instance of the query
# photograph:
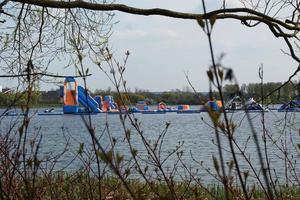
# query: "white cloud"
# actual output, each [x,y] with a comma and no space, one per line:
[163,49]
[143,34]
[130,34]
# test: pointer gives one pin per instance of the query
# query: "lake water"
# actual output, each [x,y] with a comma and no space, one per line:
[193,131]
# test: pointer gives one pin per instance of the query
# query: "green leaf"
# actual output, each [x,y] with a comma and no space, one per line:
[168,124]
[210,75]
[6,42]
[216,164]
[20,129]
[229,75]
[29,162]
[221,74]
[246,174]
[79,72]
[212,20]
[114,140]
[200,22]
[232,127]
[134,152]
[119,159]
[146,169]
[127,172]
[37,162]
[80,150]
[230,165]
[127,133]
[105,157]
[80,57]
[214,115]
[221,125]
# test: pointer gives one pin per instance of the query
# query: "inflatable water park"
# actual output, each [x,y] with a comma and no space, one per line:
[77,101]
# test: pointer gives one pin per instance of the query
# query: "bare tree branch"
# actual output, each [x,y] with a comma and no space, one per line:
[43,74]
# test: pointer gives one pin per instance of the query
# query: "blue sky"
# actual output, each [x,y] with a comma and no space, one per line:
[164,49]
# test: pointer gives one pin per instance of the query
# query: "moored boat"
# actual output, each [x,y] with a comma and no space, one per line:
[236,104]
[291,106]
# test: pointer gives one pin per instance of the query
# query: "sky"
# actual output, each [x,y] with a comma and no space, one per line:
[163,49]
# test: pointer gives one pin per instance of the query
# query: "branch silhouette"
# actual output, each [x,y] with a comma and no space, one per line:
[43,74]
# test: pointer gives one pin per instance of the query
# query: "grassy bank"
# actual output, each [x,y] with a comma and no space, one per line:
[83,186]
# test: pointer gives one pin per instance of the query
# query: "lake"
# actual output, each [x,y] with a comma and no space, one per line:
[193,132]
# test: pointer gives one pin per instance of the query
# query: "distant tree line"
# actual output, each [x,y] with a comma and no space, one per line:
[174,97]
[256,90]
[18,99]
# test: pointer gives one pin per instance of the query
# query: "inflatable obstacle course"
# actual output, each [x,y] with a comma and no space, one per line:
[76,99]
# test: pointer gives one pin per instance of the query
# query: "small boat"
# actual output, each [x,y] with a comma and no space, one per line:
[251,105]
[234,104]
[49,110]
[291,106]
[257,108]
